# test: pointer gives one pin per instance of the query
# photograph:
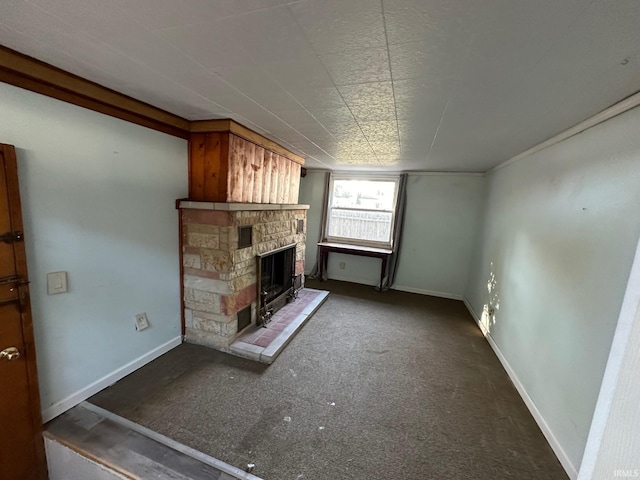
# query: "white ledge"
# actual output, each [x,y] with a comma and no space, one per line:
[235,207]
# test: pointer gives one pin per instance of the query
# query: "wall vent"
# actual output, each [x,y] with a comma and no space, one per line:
[300,226]
[244,318]
[245,236]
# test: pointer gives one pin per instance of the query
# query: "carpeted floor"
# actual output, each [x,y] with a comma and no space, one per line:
[375,386]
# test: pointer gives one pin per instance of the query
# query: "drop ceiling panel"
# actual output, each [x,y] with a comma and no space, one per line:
[359,84]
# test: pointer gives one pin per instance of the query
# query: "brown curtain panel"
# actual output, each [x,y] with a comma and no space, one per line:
[401,207]
[315,273]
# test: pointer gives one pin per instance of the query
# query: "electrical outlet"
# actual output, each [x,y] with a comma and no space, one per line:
[342,265]
[141,322]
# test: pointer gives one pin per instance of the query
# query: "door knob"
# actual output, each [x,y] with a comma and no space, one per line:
[10,353]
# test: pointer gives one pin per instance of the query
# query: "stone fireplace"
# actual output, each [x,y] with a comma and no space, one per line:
[242,205]
[224,247]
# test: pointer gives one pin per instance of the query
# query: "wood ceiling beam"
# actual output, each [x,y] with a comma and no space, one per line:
[31,74]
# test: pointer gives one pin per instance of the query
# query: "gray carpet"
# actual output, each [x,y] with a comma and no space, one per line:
[375,386]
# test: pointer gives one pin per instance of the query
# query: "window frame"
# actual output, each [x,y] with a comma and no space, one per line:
[395,178]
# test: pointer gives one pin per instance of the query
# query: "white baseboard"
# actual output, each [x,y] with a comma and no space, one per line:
[400,288]
[109,379]
[340,278]
[431,293]
[537,416]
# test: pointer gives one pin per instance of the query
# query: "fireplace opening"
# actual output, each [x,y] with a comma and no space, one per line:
[276,281]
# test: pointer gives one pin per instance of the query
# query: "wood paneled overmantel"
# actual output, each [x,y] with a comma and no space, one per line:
[230,163]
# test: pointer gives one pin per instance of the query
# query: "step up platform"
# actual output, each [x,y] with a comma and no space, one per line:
[90,442]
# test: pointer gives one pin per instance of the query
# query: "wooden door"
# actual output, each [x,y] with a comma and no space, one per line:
[21,444]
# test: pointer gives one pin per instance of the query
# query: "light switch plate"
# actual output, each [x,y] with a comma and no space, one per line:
[56,282]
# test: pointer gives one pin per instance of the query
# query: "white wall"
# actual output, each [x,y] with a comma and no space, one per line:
[441,224]
[559,235]
[97,201]
[613,445]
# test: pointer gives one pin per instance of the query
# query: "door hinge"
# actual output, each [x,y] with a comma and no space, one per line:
[11,237]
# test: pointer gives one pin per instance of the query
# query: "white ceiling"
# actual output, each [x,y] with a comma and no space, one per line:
[457,85]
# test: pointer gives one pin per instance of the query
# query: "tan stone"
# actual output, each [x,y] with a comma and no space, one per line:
[205,284]
[206,325]
[243,281]
[188,318]
[203,240]
[208,339]
[203,307]
[208,229]
[216,260]
[189,260]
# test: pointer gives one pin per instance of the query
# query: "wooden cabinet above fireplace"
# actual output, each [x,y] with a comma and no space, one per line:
[230,163]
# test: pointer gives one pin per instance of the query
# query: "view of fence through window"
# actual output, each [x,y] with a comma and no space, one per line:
[362,210]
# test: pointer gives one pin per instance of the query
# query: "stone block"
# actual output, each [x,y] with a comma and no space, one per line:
[205,325]
[206,284]
[205,217]
[243,254]
[216,260]
[206,229]
[208,339]
[201,273]
[213,307]
[203,240]
[188,318]
[243,281]
[190,260]
[230,304]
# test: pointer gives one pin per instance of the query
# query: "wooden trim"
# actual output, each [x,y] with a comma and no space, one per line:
[15,213]
[228,125]
[183,326]
[31,74]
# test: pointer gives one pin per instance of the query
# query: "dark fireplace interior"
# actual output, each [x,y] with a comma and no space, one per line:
[276,281]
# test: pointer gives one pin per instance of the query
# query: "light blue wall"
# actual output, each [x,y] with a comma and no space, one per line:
[559,234]
[98,201]
[441,224]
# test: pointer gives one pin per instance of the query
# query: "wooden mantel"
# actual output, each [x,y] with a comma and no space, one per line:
[230,163]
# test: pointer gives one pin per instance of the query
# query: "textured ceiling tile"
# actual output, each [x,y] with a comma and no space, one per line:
[33,22]
[208,46]
[332,115]
[163,14]
[367,93]
[300,73]
[374,112]
[358,66]
[345,129]
[325,97]
[421,90]
[298,118]
[100,20]
[274,100]
[377,131]
[271,35]
[385,148]
[335,26]
[426,60]
[488,77]
[417,20]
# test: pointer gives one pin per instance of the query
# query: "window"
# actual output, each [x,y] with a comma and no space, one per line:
[362,210]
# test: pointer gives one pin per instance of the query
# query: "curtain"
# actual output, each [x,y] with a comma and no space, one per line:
[315,273]
[401,206]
